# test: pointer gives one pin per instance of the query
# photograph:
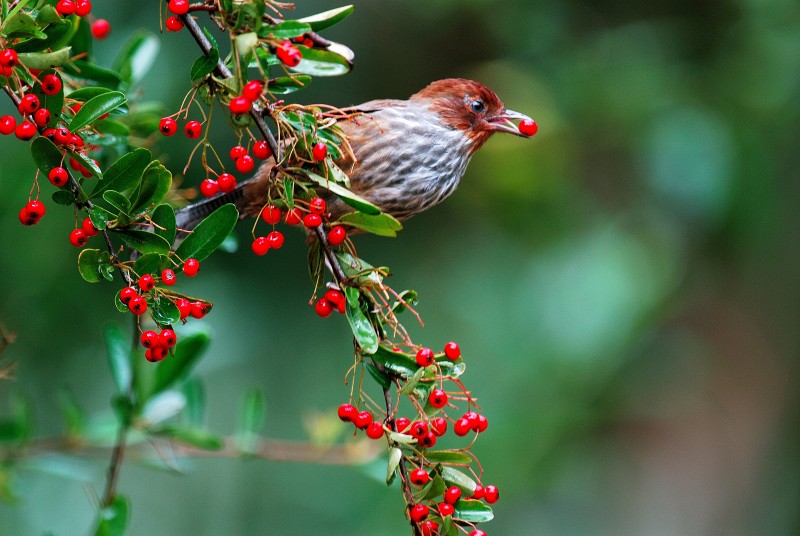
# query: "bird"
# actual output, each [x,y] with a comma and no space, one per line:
[406,155]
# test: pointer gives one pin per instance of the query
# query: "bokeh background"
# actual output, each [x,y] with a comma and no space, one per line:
[624,285]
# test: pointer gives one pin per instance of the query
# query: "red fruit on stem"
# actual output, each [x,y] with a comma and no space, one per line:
[288,54]
[146,283]
[260,245]
[168,277]
[375,430]
[65,7]
[482,424]
[323,307]
[445,509]
[347,412]
[78,238]
[168,126]
[452,495]
[58,176]
[137,305]
[28,104]
[149,339]
[184,307]
[294,216]
[419,429]
[418,513]
[191,266]
[178,7]
[419,477]
[491,494]
[240,105]
[62,136]
[209,187]
[402,424]
[51,84]
[478,493]
[126,294]
[452,351]
[25,218]
[7,124]
[363,419]
[424,357]
[226,183]
[198,309]
[312,220]
[245,164]
[336,235]
[41,117]
[271,214]
[25,130]
[83,8]
[173,24]
[155,354]
[275,239]
[261,150]
[462,427]
[193,129]
[428,440]
[477,532]
[9,58]
[319,152]
[437,398]
[334,296]
[167,338]
[317,205]
[429,528]
[528,127]
[252,90]
[237,151]
[439,426]
[101,28]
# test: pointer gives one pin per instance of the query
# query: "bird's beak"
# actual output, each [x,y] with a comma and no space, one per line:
[504,122]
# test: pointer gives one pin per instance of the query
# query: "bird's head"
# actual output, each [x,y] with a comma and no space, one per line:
[471,107]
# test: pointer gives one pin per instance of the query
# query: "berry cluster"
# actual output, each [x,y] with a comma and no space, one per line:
[333,300]
[244,163]
[251,93]
[158,344]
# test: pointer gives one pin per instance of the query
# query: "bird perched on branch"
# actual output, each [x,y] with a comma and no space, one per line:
[407,155]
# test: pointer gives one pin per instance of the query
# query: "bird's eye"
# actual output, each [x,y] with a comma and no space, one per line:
[477,106]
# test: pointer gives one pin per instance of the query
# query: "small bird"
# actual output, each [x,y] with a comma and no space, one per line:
[407,155]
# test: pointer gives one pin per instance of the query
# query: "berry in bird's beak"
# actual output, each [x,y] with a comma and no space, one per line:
[504,122]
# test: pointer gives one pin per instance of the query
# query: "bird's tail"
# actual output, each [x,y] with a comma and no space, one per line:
[189,216]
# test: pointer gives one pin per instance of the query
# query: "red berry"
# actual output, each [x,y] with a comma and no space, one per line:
[528,127]
[193,129]
[240,105]
[25,131]
[184,307]
[28,104]
[452,495]
[445,509]
[191,266]
[168,277]
[155,354]
[178,7]
[209,187]
[101,28]
[65,7]
[9,58]
[452,351]
[336,235]
[437,398]
[428,440]
[418,429]
[429,528]
[168,126]
[75,140]
[275,239]
[403,424]
[25,218]
[137,305]
[252,90]
[293,216]
[288,54]
[462,427]
[347,412]
[375,430]
[261,150]
[478,493]
[418,513]
[477,532]
[245,164]
[35,208]
[317,205]
[149,339]
[198,309]
[173,24]
[439,426]
[271,214]
[78,238]
[237,151]
[319,152]
[482,424]
[7,124]
[58,176]
[51,84]
[491,494]
[363,419]
[260,245]
[472,419]
[167,338]
[146,283]
[419,477]
[323,307]
[83,8]
[226,183]
[424,357]
[41,117]
[62,136]
[312,220]
[126,294]
[336,298]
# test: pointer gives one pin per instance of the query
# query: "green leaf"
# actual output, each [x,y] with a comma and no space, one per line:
[64,197]
[96,107]
[45,154]
[209,234]
[362,330]
[113,519]
[137,56]
[148,264]
[435,488]
[44,60]
[204,65]
[284,30]
[118,201]
[395,362]
[202,439]
[473,511]
[87,93]
[359,270]
[413,381]
[251,421]
[21,22]
[88,265]
[454,457]
[380,377]
[165,312]
[355,201]
[111,127]
[454,477]
[124,173]
[163,217]
[100,217]
[326,19]
[187,353]
[155,184]
[119,359]
[381,224]
[395,456]
[88,71]
[283,85]
[87,163]
[143,241]
[322,62]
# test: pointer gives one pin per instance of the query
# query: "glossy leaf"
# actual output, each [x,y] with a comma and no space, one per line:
[113,519]
[88,265]
[435,488]
[454,457]
[454,477]
[362,329]
[204,65]
[137,56]
[148,264]
[64,197]
[100,217]
[143,241]
[87,163]
[251,421]
[45,154]
[285,30]
[156,182]
[354,200]
[379,224]
[124,173]
[473,511]
[165,312]
[209,234]
[89,71]
[395,455]
[44,60]
[95,107]
[187,353]
[118,200]
[395,362]
[163,217]
[86,93]
[321,62]
[326,19]
[21,23]
[118,353]
[284,85]
[359,270]
[383,380]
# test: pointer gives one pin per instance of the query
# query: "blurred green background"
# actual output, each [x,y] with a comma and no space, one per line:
[623,285]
